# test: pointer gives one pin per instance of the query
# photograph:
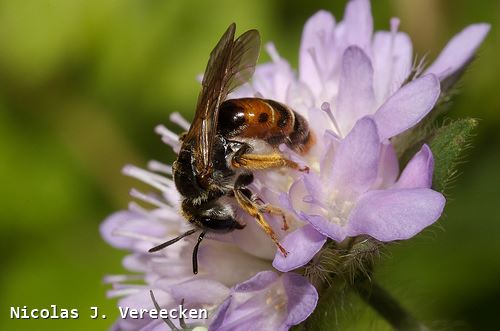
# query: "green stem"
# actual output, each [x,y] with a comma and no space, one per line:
[387,306]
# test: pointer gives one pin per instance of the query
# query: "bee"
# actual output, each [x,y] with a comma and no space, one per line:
[227,140]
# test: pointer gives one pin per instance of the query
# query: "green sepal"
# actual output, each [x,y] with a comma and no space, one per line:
[448,145]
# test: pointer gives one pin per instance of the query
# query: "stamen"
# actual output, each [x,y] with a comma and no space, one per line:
[178,119]
[275,298]
[394,25]
[325,106]
[313,201]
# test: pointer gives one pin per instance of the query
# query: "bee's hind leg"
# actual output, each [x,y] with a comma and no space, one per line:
[265,161]
[244,198]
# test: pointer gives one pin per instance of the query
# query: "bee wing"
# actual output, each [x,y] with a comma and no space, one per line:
[232,63]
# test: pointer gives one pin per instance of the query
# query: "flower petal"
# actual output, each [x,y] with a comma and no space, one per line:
[329,149]
[315,47]
[252,239]
[226,256]
[358,22]
[200,291]
[325,226]
[407,106]
[388,167]
[247,309]
[220,315]
[392,62]
[300,98]
[267,301]
[355,163]
[355,97]
[258,282]
[126,230]
[142,300]
[272,79]
[319,122]
[418,172]
[395,214]
[302,244]
[293,201]
[302,298]
[459,52]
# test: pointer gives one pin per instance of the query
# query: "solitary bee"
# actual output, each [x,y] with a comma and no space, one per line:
[230,138]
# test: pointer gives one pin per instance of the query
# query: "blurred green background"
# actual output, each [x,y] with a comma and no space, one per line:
[84,82]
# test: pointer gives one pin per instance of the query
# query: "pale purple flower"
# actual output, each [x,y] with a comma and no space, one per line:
[348,73]
[357,89]
[349,197]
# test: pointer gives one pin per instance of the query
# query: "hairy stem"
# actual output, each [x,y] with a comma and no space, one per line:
[387,306]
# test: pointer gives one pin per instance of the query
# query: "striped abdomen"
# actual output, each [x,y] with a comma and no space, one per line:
[264,119]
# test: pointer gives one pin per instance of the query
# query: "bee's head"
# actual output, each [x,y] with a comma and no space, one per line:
[219,218]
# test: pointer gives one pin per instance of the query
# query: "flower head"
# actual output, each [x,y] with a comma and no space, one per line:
[357,89]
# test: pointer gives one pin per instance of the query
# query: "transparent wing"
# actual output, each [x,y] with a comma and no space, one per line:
[232,63]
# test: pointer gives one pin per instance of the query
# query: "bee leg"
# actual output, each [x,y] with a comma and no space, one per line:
[265,161]
[182,136]
[273,210]
[253,210]
[245,179]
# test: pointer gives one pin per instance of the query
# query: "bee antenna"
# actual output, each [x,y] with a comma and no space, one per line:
[172,241]
[195,252]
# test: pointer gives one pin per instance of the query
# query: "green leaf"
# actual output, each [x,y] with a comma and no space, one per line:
[448,144]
